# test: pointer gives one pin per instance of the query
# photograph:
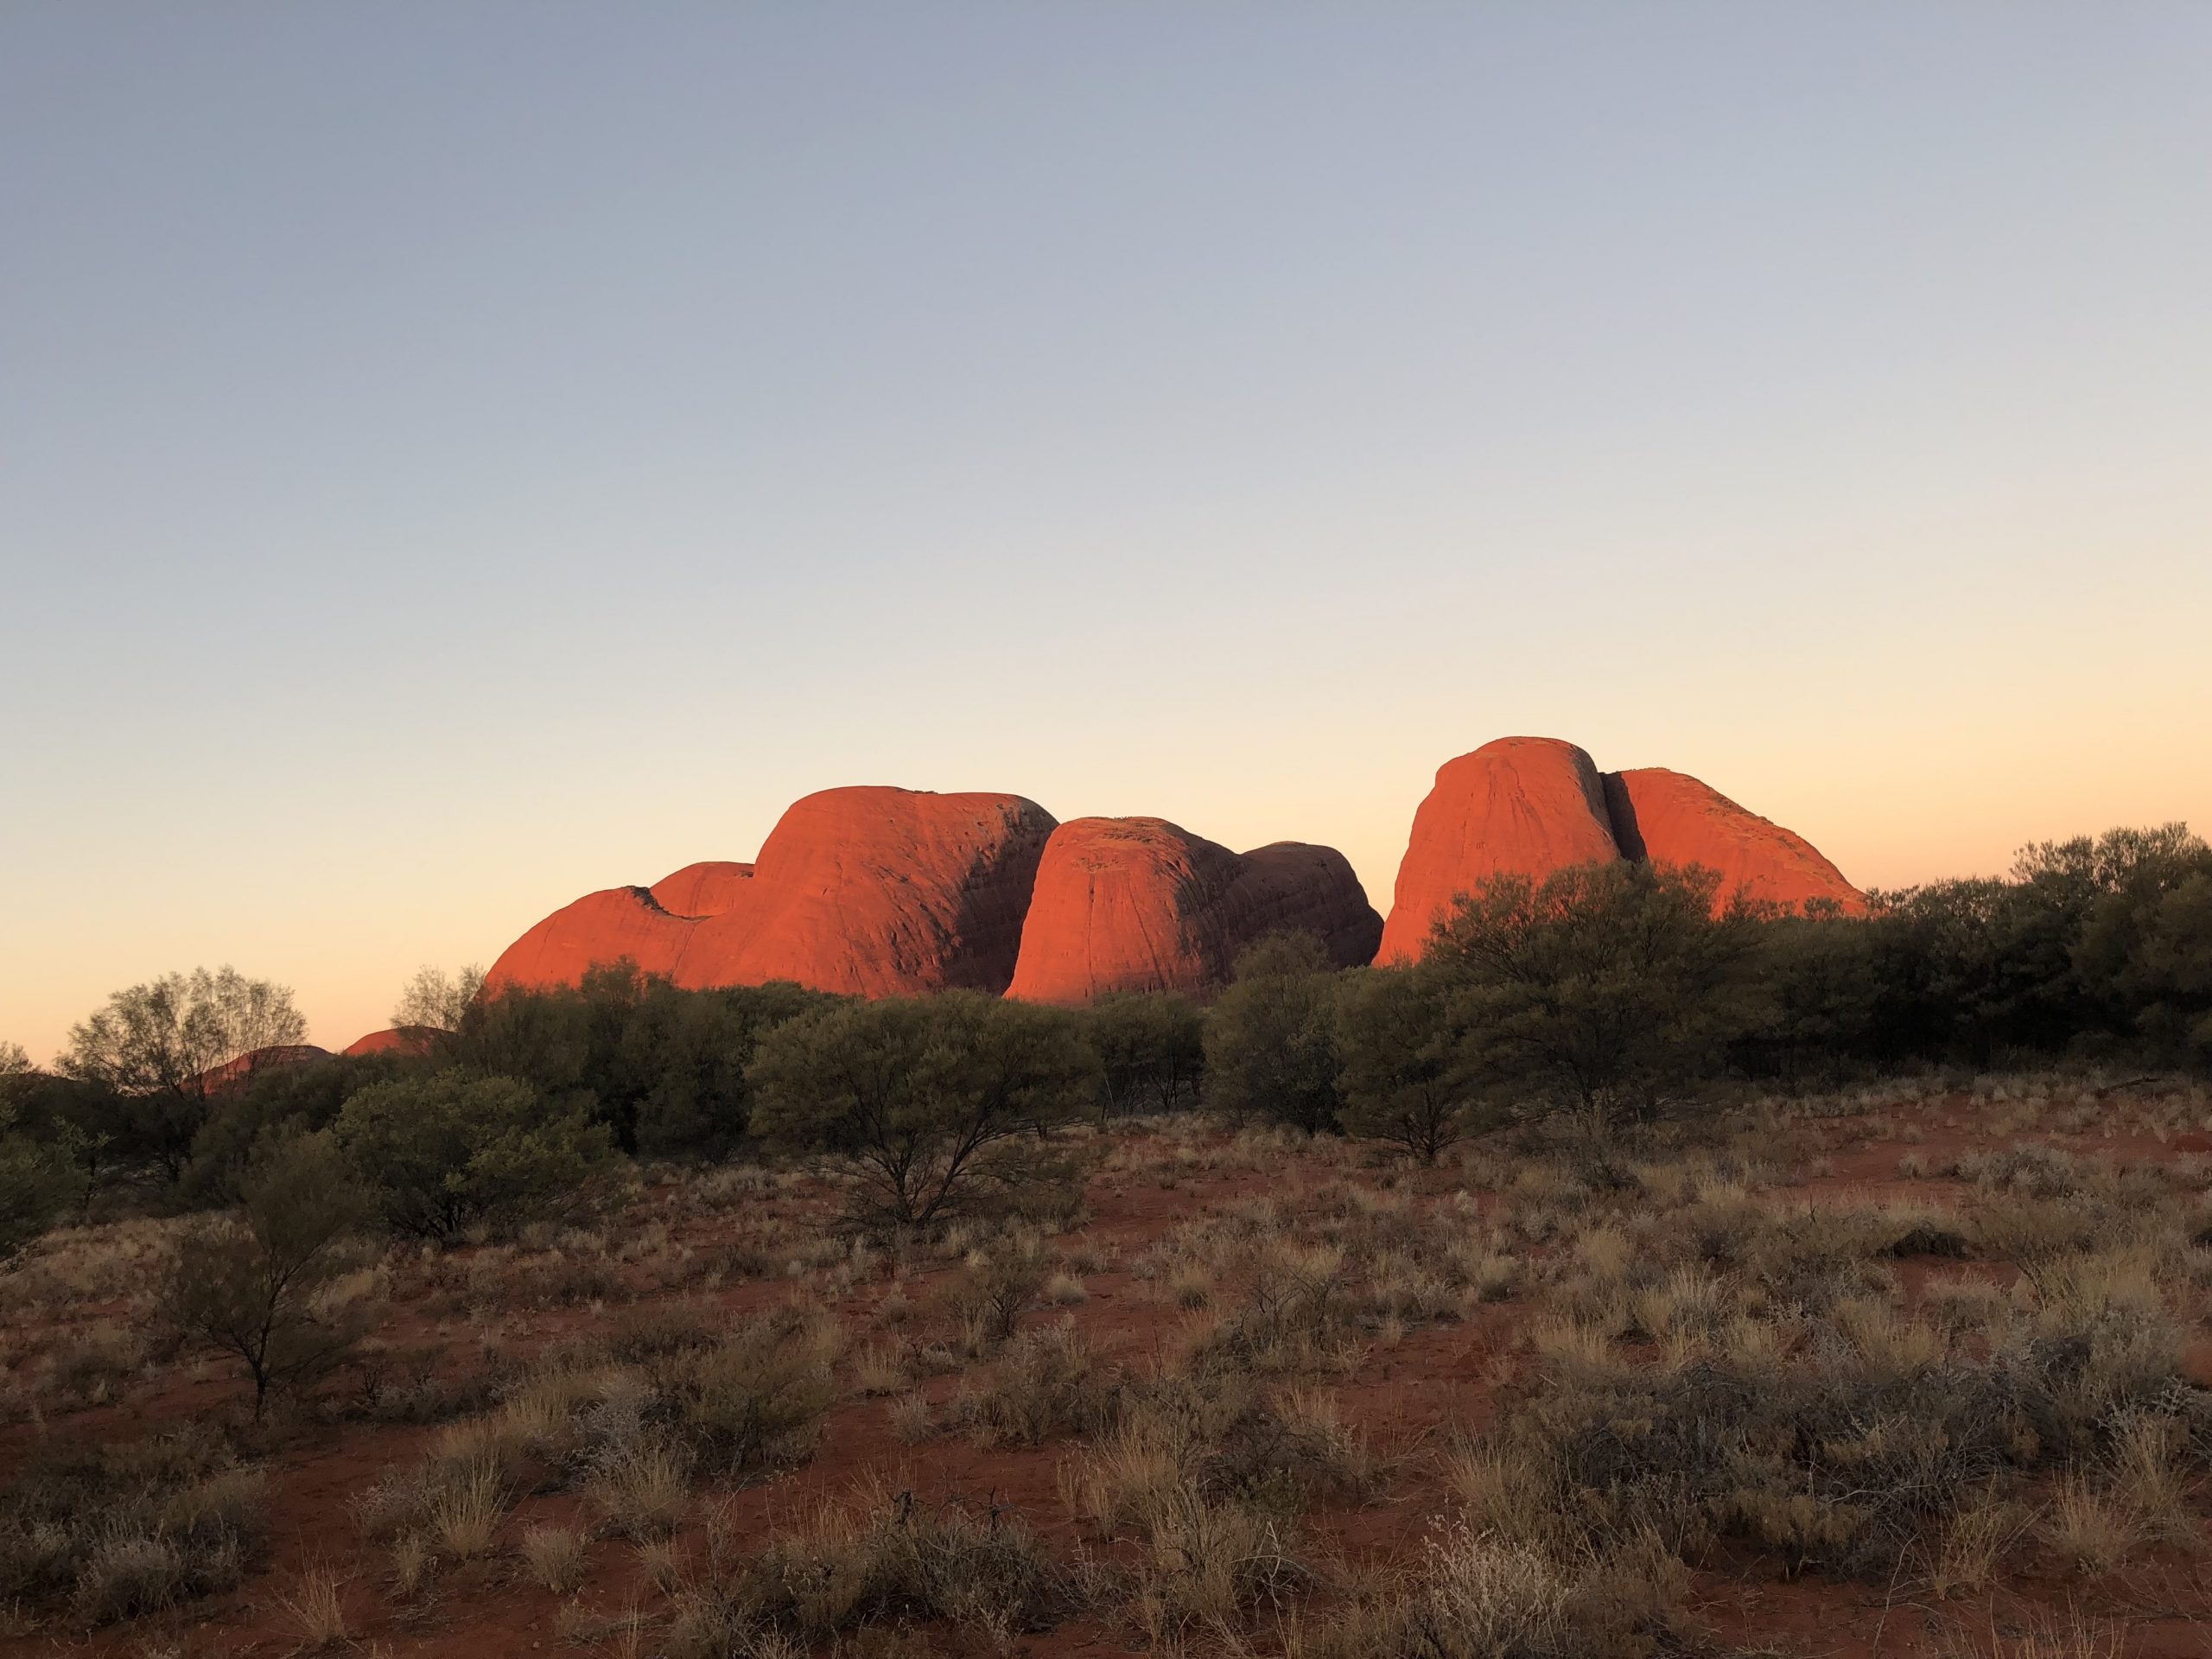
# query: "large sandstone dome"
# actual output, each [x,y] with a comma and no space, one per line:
[1143,905]
[883,892]
[1533,806]
[869,891]
[1671,818]
[1527,805]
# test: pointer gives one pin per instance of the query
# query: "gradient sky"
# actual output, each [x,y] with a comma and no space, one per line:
[455,456]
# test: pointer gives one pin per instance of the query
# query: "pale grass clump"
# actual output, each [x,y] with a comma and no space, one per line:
[2147,1479]
[912,1419]
[1505,1492]
[1484,1267]
[554,1556]
[465,1512]
[2094,1531]
[1207,1562]
[1046,1382]
[1189,1286]
[1474,1594]
[316,1609]
[1888,1342]
[643,1490]
[1691,1305]
[1972,1546]
[880,1368]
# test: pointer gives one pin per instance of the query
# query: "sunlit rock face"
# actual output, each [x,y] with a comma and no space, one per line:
[1533,805]
[397,1039]
[883,892]
[872,891]
[1143,905]
[1671,818]
[705,889]
[1528,805]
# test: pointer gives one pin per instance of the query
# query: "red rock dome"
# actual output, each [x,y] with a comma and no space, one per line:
[876,892]
[602,926]
[398,1040]
[234,1074]
[1671,818]
[704,889]
[880,892]
[1528,805]
[1533,806]
[1143,905]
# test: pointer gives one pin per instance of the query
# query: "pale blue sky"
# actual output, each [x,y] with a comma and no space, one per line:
[453,456]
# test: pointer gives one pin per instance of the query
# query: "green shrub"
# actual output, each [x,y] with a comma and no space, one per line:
[1403,1079]
[36,1183]
[447,1152]
[1602,990]
[1150,1047]
[1271,1041]
[934,1108]
[264,1285]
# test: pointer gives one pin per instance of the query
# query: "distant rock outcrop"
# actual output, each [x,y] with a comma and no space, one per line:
[1533,806]
[398,1040]
[1528,805]
[874,892]
[1143,905]
[1671,818]
[235,1074]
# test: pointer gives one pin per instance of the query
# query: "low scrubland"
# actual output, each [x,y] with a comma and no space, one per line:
[1922,1364]
[1632,1276]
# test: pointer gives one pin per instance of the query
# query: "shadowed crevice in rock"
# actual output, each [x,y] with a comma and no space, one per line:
[1144,905]
[1534,806]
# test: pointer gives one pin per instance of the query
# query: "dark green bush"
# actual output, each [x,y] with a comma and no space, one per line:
[446,1151]
[1150,1047]
[260,1284]
[663,1068]
[1271,1041]
[934,1108]
[1405,1077]
[1603,990]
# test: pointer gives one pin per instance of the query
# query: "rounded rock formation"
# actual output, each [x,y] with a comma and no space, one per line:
[398,1039]
[1530,805]
[1294,884]
[603,926]
[1143,905]
[235,1074]
[869,891]
[1670,817]
[707,889]
[881,891]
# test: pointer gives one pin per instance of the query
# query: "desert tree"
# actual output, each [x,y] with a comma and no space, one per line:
[444,1153]
[156,1046]
[437,999]
[1404,1079]
[1150,1045]
[264,1284]
[932,1107]
[36,1183]
[1270,1041]
[1602,990]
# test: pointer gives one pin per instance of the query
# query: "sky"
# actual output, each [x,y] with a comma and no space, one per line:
[455,456]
